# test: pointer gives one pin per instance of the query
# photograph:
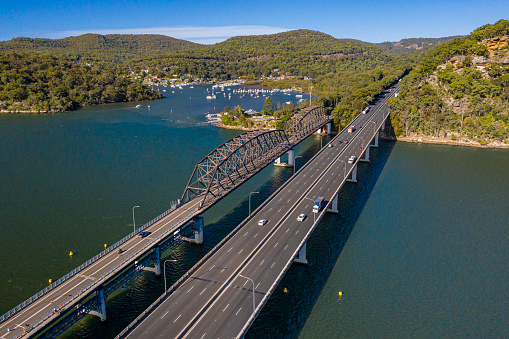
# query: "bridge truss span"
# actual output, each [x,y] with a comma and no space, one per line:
[232,163]
[305,122]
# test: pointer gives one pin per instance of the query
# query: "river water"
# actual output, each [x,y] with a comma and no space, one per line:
[419,247]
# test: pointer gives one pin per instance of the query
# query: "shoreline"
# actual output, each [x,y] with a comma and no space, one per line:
[444,141]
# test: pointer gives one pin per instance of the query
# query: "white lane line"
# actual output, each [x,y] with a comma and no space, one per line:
[287,230]
[245,283]
[296,232]
[257,286]
[176,319]
[246,233]
[285,247]
[165,314]
[203,335]
[238,311]
[280,199]
[262,262]
[276,245]
[297,191]
[241,251]
[223,270]
[230,249]
[271,209]
[289,200]
[279,210]
[203,291]
[226,307]
[255,235]
[272,264]
[190,289]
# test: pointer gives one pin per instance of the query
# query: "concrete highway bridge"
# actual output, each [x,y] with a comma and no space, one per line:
[85,289]
[223,293]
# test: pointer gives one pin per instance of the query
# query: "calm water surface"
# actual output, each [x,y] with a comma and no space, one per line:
[419,247]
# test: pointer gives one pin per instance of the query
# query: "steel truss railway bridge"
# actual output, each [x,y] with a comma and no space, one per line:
[85,289]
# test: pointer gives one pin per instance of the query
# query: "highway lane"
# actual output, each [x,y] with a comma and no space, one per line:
[206,294]
[16,323]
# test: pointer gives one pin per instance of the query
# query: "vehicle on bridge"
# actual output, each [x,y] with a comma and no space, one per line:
[351,160]
[351,129]
[301,217]
[262,222]
[366,110]
[318,204]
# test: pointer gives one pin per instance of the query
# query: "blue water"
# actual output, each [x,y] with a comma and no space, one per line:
[419,247]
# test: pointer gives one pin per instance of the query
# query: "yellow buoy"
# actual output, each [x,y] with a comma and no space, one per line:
[285,290]
[70,253]
[105,246]
[340,294]
[50,281]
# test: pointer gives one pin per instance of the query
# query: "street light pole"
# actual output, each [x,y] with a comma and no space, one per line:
[134,222]
[295,162]
[172,260]
[254,305]
[250,202]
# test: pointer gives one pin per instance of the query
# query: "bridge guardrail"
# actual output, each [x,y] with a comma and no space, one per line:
[78,269]
[92,284]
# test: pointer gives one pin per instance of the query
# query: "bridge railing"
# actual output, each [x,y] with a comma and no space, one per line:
[78,269]
[62,306]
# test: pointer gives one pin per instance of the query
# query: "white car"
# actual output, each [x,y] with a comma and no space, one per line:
[262,222]
[352,159]
[301,217]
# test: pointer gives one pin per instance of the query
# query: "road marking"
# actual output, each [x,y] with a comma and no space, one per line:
[257,286]
[276,245]
[272,264]
[203,335]
[238,311]
[287,230]
[165,314]
[285,247]
[246,233]
[241,251]
[279,210]
[255,235]
[203,291]
[230,249]
[245,283]
[176,319]
[289,200]
[262,262]
[226,307]
[271,209]
[296,232]
[190,289]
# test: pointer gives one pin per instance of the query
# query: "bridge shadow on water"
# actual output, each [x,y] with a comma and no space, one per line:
[285,314]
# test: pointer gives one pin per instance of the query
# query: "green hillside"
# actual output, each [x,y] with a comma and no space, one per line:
[414,45]
[460,91]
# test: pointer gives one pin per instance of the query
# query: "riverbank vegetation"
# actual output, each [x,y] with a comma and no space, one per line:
[41,83]
[460,90]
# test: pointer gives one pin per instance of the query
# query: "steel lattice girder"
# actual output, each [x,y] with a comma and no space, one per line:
[305,122]
[234,162]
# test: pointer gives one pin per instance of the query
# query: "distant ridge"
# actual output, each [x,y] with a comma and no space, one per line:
[411,45]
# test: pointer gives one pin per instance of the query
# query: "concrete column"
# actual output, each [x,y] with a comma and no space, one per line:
[334,205]
[329,130]
[102,305]
[198,231]
[301,256]
[291,157]
[354,175]
[366,155]
[157,266]
[383,126]
[376,139]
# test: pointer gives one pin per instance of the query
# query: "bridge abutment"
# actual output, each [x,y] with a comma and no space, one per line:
[301,256]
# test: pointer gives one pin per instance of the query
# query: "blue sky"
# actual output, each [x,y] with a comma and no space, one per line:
[212,21]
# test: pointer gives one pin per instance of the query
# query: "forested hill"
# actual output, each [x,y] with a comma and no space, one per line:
[100,47]
[460,91]
[413,45]
[295,53]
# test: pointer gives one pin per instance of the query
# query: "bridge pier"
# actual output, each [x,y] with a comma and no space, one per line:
[301,256]
[329,128]
[333,207]
[366,155]
[376,139]
[291,157]
[101,295]
[157,266]
[354,175]
[198,231]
